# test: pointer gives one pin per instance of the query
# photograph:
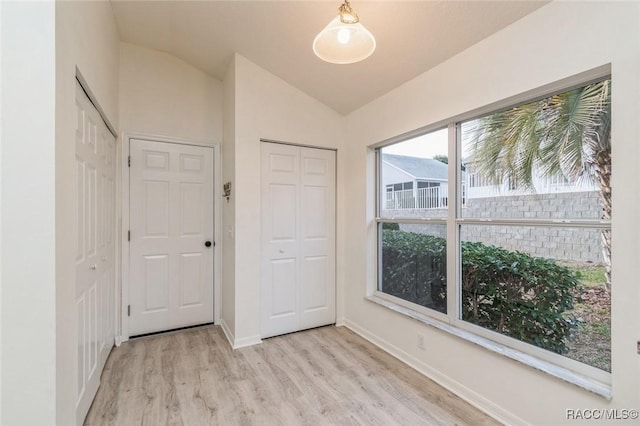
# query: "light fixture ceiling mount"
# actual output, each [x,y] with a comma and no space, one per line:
[347,15]
[344,40]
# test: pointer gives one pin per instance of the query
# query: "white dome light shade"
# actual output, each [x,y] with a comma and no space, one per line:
[341,43]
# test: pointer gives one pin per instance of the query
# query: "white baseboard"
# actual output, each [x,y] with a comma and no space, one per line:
[473,398]
[246,341]
[340,322]
[238,343]
[227,332]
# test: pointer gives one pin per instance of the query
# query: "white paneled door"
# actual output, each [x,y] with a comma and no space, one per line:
[298,238]
[95,249]
[171,241]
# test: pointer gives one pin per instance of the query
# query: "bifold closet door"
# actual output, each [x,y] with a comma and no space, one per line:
[95,249]
[298,238]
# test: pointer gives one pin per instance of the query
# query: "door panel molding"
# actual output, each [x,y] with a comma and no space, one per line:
[123,331]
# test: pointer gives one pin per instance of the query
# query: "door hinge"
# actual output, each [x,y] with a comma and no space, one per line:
[129,235]
[128,310]
[129,161]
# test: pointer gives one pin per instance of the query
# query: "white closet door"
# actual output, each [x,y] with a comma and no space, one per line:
[317,279]
[298,238]
[95,249]
[171,252]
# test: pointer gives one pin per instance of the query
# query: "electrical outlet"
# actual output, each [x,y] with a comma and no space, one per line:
[421,342]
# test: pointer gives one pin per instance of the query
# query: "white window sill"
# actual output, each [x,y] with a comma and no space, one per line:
[561,373]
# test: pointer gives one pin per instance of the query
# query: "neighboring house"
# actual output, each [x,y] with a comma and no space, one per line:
[480,186]
[421,183]
[413,182]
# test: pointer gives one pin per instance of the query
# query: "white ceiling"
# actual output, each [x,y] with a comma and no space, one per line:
[412,37]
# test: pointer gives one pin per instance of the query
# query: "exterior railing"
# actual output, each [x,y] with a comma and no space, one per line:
[436,197]
[480,186]
[476,180]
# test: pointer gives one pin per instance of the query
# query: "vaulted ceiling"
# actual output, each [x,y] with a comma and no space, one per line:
[412,37]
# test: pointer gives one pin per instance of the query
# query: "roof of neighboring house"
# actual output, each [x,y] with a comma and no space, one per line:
[419,168]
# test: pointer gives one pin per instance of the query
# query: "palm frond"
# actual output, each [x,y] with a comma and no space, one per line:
[559,135]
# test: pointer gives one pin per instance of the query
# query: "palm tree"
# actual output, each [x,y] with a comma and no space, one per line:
[567,134]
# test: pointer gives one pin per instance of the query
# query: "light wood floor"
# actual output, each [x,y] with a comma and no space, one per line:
[325,376]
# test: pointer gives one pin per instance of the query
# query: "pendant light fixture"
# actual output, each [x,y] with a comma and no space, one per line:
[344,40]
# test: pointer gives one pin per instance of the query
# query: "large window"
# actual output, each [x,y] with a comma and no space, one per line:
[416,276]
[506,231]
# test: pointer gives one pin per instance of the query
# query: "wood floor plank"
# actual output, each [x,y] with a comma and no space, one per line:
[325,376]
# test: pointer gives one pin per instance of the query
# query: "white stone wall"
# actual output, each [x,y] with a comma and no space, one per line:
[560,243]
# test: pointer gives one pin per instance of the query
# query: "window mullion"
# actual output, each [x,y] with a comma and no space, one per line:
[453,296]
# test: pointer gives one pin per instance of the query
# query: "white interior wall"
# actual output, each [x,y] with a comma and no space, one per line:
[267,107]
[555,42]
[228,246]
[1,101]
[163,95]
[87,39]
[28,346]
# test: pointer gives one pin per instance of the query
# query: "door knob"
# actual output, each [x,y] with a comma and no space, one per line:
[281,250]
[207,244]
[93,267]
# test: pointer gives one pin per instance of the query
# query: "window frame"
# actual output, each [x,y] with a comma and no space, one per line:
[454,220]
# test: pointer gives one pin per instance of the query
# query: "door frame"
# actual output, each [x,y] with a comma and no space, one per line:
[122,328]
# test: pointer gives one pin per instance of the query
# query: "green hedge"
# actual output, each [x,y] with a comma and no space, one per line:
[513,293]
